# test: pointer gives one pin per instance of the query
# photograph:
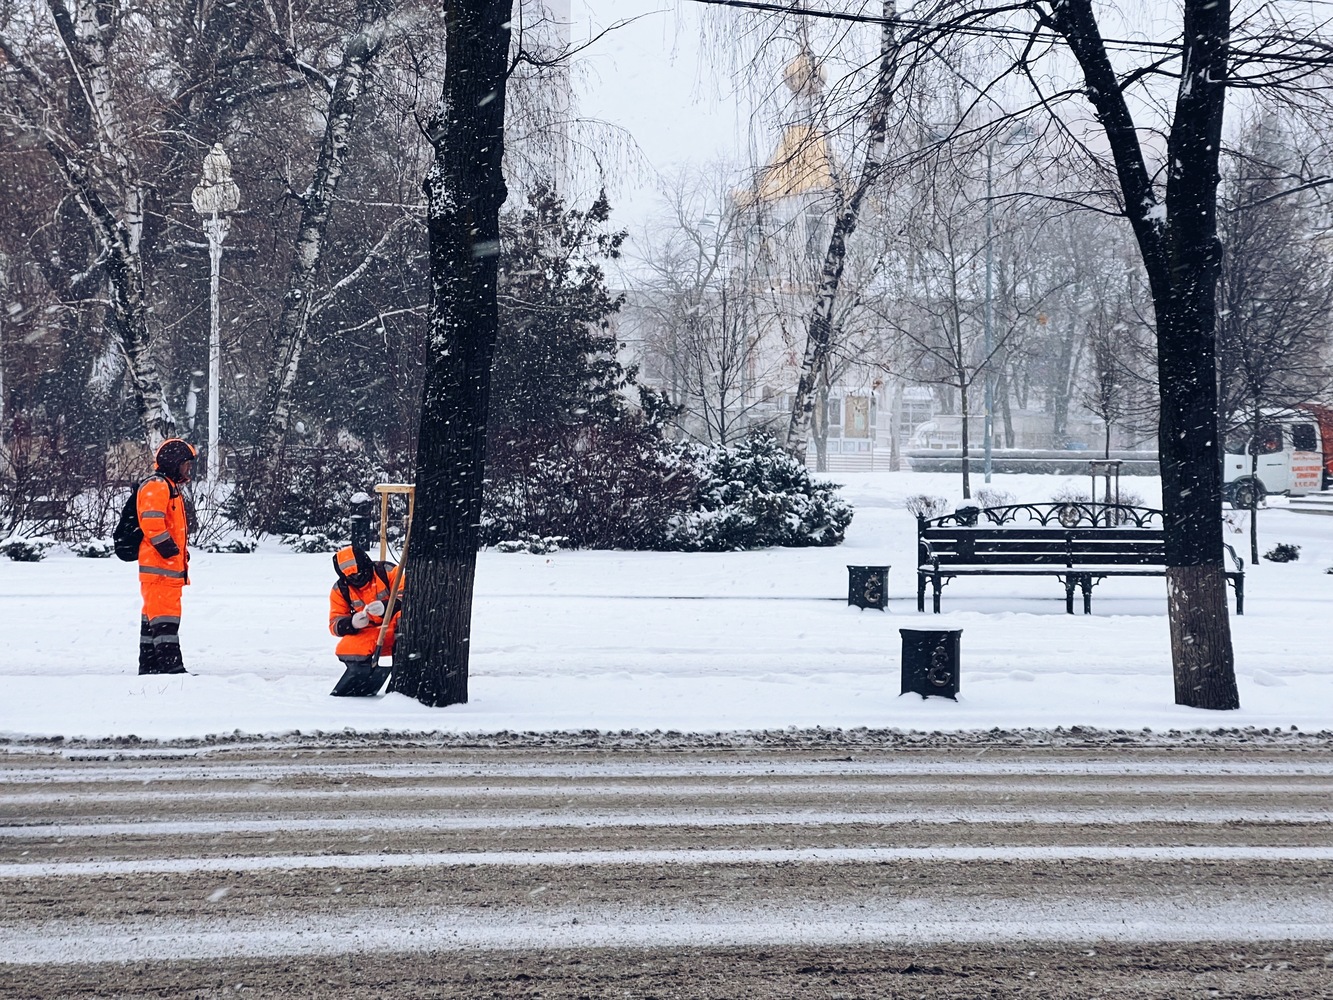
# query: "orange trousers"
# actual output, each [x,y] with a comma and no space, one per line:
[159,625]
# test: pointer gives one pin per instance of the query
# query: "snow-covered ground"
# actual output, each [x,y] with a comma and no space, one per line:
[618,641]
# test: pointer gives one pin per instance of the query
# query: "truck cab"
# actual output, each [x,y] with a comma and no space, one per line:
[1284,455]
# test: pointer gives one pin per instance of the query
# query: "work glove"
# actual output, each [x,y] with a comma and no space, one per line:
[375,609]
[360,620]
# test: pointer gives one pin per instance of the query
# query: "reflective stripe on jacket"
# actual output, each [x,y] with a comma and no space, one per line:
[161,509]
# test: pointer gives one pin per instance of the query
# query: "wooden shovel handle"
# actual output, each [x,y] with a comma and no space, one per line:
[397,582]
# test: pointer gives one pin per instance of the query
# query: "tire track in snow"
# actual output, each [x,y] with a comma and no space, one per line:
[785,815]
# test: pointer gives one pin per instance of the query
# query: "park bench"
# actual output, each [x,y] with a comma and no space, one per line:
[1079,544]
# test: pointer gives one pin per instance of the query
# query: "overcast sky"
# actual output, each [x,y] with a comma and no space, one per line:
[648,79]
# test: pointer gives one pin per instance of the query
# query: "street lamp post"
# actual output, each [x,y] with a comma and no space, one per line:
[213,197]
[989,333]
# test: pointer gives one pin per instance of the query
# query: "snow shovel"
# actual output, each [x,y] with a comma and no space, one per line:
[361,680]
[364,680]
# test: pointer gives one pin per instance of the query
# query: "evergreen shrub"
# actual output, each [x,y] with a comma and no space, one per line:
[238,546]
[94,548]
[534,545]
[22,548]
[315,541]
[622,487]
[755,495]
[614,487]
[313,494]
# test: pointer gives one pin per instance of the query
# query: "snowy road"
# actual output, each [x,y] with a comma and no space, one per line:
[420,871]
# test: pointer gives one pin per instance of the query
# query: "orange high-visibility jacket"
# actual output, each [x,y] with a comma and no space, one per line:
[361,642]
[163,553]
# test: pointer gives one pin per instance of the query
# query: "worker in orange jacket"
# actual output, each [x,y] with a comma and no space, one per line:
[164,559]
[357,603]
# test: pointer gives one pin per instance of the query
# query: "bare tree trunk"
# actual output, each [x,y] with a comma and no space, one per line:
[1002,388]
[820,428]
[465,190]
[316,210]
[819,333]
[1062,385]
[1181,256]
[1197,631]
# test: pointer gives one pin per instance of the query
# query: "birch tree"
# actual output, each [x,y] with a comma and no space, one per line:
[847,215]
[300,301]
[65,96]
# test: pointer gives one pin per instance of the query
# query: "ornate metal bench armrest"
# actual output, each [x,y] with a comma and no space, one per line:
[1236,560]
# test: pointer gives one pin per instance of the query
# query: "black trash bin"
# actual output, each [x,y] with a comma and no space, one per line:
[866,586]
[930,662]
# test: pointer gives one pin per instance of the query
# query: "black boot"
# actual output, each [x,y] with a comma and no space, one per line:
[169,659]
[147,652]
[167,648]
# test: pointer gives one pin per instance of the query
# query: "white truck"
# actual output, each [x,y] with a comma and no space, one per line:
[1286,455]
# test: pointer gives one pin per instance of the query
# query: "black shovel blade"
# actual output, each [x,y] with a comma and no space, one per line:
[361,682]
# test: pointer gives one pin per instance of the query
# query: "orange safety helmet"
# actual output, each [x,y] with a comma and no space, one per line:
[172,454]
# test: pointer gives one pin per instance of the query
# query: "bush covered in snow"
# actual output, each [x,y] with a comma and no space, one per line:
[239,546]
[924,505]
[990,496]
[533,544]
[1283,552]
[22,548]
[314,541]
[756,495]
[1074,494]
[95,548]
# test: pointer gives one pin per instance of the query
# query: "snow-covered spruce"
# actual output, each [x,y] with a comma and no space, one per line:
[756,495]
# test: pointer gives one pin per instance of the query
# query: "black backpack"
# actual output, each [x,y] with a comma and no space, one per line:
[128,533]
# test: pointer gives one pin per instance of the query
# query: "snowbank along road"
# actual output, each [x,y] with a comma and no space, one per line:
[418,871]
